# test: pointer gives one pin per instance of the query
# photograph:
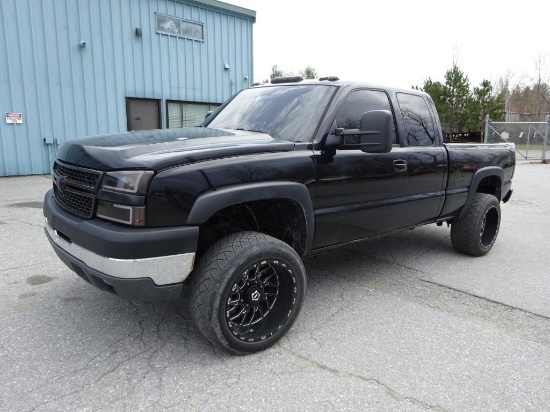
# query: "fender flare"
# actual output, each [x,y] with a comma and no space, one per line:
[478,177]
[206,205]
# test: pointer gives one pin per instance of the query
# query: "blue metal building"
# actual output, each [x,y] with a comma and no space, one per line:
[74,68]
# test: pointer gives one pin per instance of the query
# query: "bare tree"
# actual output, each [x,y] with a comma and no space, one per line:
[540,84]
[528,96]
[504,86]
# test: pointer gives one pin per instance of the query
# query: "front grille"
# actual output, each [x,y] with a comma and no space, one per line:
[78,175]
[81,204]
[76,188]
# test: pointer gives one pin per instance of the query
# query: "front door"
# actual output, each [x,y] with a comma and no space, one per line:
[143,114]
[360,195]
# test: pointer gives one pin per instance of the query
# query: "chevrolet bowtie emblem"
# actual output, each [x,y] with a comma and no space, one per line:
[61,183]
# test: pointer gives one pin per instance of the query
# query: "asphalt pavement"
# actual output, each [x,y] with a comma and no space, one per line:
[403,323]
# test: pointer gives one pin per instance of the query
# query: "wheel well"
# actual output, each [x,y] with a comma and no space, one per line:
[490,185]
[283,219]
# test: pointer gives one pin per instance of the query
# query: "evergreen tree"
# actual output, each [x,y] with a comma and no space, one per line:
[436,92]
[309,73]
[460,109]
[275,72]
[456,92]
[482,102]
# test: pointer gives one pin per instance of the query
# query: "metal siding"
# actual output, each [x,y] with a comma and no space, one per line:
[65,91]
[223,50]
[19,155]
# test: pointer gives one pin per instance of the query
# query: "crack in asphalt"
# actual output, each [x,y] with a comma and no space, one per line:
[41,226]
[76,371]
[233,380]
[160,340]
[372,381]
[394,262]
[496,302]
[464,292]
[39,264]
[154,340]
[523,202]
[84,387]
[435,296]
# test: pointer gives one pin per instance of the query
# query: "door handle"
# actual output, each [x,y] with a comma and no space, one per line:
[400,165]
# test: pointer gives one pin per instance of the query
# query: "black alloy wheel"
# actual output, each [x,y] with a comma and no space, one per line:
[260,300]
[476,232]
[489,227]
[247,291]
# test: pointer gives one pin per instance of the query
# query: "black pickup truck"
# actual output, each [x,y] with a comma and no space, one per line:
[279,171]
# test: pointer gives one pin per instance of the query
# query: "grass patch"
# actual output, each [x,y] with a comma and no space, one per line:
[524,147]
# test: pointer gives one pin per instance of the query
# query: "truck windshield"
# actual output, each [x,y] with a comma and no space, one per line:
[284,112]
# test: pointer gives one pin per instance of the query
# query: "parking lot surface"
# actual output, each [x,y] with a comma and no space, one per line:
[403,323]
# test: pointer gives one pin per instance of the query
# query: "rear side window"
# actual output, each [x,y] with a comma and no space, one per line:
[417,120]
[356,104]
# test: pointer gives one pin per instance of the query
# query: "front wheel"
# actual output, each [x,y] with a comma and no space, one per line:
[247,291]
[475,233]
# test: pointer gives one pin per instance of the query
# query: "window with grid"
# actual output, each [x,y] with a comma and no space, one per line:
[186,114]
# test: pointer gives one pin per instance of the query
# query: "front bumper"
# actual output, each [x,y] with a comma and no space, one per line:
[135,263]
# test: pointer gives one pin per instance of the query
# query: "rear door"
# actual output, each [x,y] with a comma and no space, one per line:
[425,159]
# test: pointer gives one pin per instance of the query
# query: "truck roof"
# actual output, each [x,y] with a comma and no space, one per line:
[335,81]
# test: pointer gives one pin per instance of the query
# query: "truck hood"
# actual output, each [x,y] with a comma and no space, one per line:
[159,149]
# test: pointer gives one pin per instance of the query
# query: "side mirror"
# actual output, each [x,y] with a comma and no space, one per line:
[375,131]
[334,138]
[208,113]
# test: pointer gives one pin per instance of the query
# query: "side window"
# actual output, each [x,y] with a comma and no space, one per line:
[355,105]
[417,120]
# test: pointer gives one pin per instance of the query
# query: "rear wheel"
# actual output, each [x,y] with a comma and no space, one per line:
[475,233]
[247,291]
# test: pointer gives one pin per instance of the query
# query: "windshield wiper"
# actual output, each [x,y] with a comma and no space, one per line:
[250,130]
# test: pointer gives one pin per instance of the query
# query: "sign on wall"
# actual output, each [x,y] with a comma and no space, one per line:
[14,118]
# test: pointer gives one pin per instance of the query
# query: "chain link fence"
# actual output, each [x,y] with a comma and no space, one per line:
[530,138]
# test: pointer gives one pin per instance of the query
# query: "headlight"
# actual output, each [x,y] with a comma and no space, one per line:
[129,181]
[130,215]
[122,196]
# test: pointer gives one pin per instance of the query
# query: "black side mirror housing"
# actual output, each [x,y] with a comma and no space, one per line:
[375,131]
[334,138]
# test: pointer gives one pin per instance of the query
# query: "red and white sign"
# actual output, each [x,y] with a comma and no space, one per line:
[15,118]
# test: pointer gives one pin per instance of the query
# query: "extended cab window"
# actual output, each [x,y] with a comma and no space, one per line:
[356,104]
[417,120]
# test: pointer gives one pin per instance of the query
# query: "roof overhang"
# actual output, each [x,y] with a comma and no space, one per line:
[224,7]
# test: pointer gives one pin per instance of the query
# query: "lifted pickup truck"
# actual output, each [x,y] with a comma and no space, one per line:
[278,172]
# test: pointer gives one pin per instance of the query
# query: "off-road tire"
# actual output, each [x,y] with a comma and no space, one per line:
[246,292]
[475,233]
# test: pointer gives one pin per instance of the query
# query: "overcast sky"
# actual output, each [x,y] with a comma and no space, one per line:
[401,43]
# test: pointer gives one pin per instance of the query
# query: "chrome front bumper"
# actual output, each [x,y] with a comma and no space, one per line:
[163,270]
